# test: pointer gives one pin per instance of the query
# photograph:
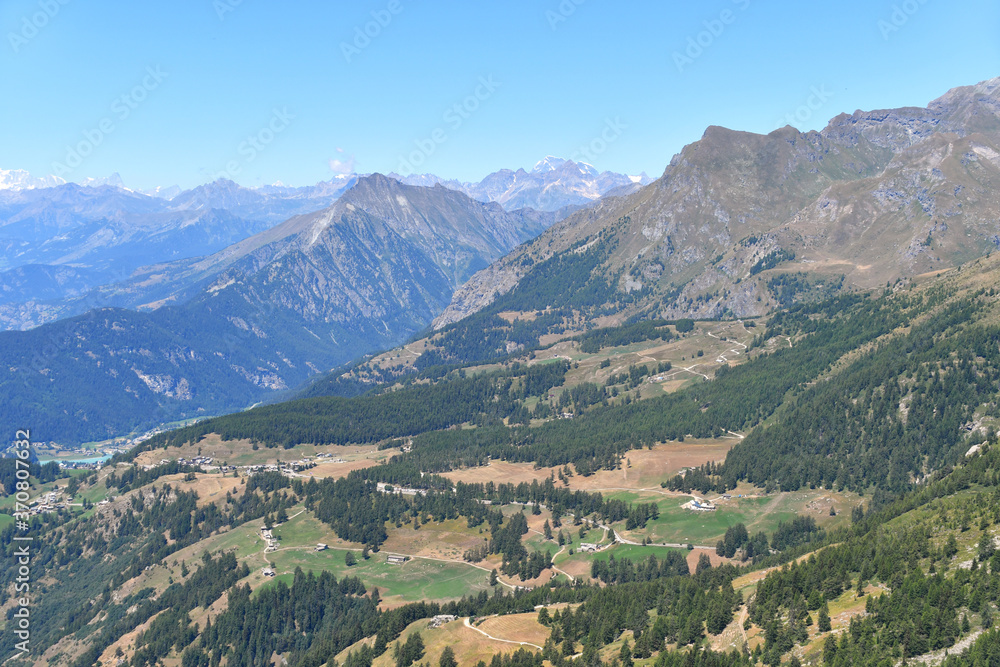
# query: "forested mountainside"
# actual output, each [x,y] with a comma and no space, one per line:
[907,375]
[269,312]
[874,196]
[836,505]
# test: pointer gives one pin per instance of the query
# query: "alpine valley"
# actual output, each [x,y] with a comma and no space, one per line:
[744,414]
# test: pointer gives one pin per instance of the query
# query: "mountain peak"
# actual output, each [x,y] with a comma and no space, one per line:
[988,88]
[374,182]
[19,179]
[548,163]
[114,180]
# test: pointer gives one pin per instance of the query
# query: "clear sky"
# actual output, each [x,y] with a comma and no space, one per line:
[181,92]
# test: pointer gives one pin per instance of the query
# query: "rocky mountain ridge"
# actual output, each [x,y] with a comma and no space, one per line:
[736,217]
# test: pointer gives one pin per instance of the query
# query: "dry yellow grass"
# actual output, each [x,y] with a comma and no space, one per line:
[211,445]
[515,315]
[470,646]
[448,539]
[578,569]
[241,452]
[695,554]
[210,487]
[518,627]
[125,643]
[670,386]
[648,468]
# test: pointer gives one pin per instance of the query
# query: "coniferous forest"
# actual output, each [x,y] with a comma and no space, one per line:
[882,396]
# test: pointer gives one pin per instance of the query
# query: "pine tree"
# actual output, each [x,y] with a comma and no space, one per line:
[829,650]
[986,547]
[410,652]
[625,655]
[547,530]
[704,563]
[823,624]
[448,658]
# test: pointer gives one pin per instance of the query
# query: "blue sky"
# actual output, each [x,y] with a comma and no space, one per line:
[183,92]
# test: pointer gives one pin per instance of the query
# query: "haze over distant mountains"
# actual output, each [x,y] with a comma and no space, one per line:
[62,240]
[71,238]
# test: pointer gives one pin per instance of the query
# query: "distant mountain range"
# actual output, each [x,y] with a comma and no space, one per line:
[260,316]
[19,179]
[741,223]
[553,184]
[66,242]
[73,238]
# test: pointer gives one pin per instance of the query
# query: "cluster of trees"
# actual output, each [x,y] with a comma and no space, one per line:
[313,620]
[788,534]
[685,608]
[797,531]
[789,288]
[622,570]
[703,478]
[582,396]
[737,538]
[42,473]
[633,376]
[598,339]
[771,260]
[134,477]
[410,651]
[527,566]
[505,536]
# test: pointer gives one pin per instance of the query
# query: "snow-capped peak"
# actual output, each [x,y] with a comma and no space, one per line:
[549,163]
[162,192]
[19,179]
[114,180]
